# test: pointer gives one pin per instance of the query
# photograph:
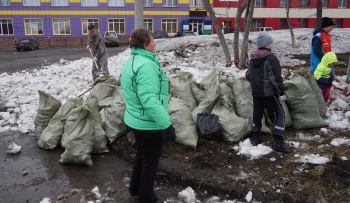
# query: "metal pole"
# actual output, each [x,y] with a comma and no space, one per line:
[138,9]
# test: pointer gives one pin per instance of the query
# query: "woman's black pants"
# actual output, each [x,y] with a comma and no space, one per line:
[144,171]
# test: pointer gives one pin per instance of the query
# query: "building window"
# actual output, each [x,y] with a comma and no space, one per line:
[6,27]
[324,3]
[89,2]
[338,23]
[147,3]
[196,3]
[31,2]
[282,3]
[169,25]
[169,3]
[303,23]
[34,26]
[148,24]
[260,3]
[86,22]
[61,27]
[256,23]
[5,3]
[116,3]
[342,3]
[304,3]
[283,24]
[117,25]
[59,3]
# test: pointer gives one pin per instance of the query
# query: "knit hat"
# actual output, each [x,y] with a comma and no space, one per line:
[263,40]
[327,22]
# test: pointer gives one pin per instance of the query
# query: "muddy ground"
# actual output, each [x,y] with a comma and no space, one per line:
[211,168]
[214,166]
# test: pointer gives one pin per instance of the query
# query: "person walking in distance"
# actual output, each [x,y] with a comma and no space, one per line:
[146,91]
[264,75]
[321,42]
[98,48]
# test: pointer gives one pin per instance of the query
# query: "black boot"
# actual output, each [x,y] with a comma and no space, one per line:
[256,139]
[280,146]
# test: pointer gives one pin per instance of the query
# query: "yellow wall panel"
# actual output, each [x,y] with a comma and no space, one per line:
[184,1]
[16,1]
[129,1]
[102,1]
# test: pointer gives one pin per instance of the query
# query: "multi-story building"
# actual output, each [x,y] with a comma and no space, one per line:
[272,13]
[64,22]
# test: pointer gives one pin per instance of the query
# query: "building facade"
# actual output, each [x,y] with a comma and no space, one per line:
[65,22]
[272,13]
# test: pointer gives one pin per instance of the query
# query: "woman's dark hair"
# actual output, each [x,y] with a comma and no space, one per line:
[140,37]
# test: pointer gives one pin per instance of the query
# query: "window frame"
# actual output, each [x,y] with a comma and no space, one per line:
[342,2]
[149,25]
[148,3]
[283,5]
[116,3]
[172,25]
[195,4]
[324,3]
[26,2]
[304,3]
[169,3]
[7,3]
[94,21]
[61,19]
[36,24]
[259,3]
[121,24]
[57,1]
[1,26]
[86,1]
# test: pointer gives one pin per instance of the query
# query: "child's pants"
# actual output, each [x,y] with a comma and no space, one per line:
[326,91]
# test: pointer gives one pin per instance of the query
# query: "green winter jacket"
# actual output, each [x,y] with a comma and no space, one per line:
[145,88]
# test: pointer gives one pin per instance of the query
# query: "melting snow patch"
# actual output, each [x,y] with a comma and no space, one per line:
[247,149]
[313,159]
[339,141]
[13,149]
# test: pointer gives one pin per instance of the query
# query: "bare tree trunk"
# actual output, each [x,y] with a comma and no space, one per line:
[224,46]
[319,12]
[248,21]
[290,24]
[239,13]
[348,72]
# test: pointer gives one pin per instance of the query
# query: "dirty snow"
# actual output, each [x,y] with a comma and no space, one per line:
[67,79]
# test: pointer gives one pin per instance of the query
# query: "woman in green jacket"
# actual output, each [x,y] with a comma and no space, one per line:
[145,88]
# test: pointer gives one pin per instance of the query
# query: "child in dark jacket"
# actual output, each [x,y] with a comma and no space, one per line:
[324,74]
[264,75]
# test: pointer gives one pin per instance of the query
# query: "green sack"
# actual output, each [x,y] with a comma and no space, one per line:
[302,104]
[80,138]
[48,106]
[52,134]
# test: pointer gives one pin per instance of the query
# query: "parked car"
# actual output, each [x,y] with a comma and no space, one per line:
[184,34]
[264,29]
[111,38]
[189,33]
[27,44]
[160,34]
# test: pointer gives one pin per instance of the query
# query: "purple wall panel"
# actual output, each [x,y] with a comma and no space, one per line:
[75,20]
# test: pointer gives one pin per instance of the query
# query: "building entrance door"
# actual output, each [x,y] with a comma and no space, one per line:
[195,25]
